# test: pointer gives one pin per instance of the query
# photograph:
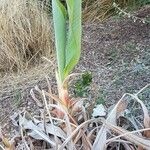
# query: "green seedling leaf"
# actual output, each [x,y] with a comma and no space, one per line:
[86,78]
[73,46]
[59,18]
[82,84]
[67,38]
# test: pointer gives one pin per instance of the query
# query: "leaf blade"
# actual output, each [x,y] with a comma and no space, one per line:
[59,19]
[73,47]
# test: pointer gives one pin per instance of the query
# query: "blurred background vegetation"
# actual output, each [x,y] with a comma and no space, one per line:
[99,10]
[25,28]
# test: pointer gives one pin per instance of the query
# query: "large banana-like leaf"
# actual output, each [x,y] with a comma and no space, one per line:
[73,47]
[59,18]
[68,42]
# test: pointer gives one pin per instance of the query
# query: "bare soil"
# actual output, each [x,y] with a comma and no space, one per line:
[116,52]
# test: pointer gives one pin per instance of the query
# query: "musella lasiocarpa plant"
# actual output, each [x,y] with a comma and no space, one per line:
[67,27]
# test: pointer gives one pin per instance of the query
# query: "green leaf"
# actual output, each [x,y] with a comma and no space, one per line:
[59,18]
[68,42]
[73,47]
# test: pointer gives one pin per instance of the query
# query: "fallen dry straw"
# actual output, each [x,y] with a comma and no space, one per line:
[105,132]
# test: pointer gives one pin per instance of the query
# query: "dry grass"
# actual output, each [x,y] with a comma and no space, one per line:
[99,10]
[25,34]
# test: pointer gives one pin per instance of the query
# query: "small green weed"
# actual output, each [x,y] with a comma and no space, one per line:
[82,84]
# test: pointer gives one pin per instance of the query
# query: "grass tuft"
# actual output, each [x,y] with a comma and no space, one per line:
[25,34]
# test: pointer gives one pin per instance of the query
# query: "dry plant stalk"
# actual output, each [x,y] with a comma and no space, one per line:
[25,34]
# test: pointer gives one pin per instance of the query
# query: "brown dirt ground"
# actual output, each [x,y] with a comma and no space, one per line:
[117,52]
